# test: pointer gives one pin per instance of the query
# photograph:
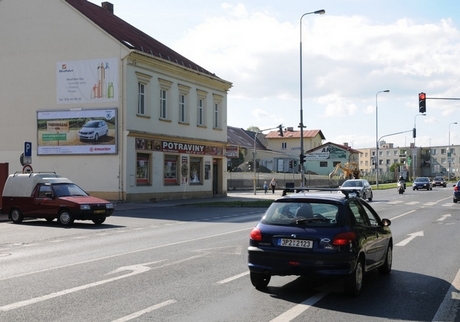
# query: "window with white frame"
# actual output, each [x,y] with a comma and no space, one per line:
[143,97]
[140,98]
[165,86]
[183,103]
[201,107]
[217,113]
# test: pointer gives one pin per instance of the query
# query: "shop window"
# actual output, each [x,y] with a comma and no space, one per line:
[143,169]
[195,170]
[323,164]
[170,169]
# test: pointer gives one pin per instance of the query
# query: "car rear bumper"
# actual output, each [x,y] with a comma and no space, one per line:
[290,263]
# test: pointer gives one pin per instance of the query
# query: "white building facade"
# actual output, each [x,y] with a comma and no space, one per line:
[162,119]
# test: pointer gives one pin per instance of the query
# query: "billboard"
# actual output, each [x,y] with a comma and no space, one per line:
[87,81]
[79,131]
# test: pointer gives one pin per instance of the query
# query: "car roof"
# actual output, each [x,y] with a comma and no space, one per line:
[320,196]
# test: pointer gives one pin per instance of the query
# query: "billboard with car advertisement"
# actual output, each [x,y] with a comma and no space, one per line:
[79,131]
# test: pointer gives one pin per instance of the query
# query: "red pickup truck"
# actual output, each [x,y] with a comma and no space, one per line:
[49,196]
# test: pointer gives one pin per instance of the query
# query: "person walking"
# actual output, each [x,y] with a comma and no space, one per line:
[265,187]
[273,185]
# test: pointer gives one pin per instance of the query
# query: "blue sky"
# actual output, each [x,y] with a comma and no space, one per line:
[355,50]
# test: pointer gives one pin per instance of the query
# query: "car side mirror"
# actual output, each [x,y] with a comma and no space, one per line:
[386,222]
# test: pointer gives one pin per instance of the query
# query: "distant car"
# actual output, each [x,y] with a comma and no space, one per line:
[320,234]
[439,181]
[456,197]
[422,183]
[93,130]
[362,186]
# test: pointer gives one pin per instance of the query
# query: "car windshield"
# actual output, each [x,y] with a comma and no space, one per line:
[301,213]
[91,124]
[68,189]
[421,179]
[352,184]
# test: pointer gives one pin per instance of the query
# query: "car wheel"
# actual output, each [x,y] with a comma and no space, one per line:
[259,280]
[354,283]
[65,218]
[455,200]
[98,221]
[370,198]
[413,189]
[16,216]
[386,267]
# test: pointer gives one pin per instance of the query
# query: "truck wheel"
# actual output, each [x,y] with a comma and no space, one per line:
[98,221]
[65,218]
[16,216]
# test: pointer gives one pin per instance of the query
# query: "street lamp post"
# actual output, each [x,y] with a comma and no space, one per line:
[414,156]
[449,155]
[318,12]
[377,137]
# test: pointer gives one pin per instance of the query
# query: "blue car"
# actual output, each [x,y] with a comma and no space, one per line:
[422,183]
[456,196]
[323,234]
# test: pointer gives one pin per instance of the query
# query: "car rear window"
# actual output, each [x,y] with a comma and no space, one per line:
[302,213]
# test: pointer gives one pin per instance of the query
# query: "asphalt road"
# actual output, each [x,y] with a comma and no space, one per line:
[185,263]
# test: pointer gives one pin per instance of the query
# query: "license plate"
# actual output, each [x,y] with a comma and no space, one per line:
[99,211]
[302,243]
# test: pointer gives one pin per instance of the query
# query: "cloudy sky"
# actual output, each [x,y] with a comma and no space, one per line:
[357,49]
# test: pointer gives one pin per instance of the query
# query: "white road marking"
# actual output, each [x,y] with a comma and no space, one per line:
[444,217]
[131,252]
[294,312]
[450,306]
[401,215]
[395,202]
[135,269]
[412,203]
[410,238]
[147,310]
[232,278]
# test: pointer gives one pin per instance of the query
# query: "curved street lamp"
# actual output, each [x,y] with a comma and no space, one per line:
[317,12]
[377,137]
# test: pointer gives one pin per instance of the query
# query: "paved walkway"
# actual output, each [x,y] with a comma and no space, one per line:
[231,196]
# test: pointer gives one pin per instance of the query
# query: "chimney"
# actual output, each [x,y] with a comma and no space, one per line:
[107,6]
[345,144]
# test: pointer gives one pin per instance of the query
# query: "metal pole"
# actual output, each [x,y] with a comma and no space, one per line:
[449,156]
[377,168]
[320,12]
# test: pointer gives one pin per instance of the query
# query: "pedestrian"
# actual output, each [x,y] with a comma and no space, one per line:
[273,185]
[265,187]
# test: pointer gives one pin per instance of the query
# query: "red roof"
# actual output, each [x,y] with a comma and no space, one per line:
[130,36]
[295,134]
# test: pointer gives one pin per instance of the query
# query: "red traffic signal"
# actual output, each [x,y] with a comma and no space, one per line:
[422,102]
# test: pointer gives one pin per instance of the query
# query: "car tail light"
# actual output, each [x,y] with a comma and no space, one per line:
[344,238]
[256,234]
[455,188]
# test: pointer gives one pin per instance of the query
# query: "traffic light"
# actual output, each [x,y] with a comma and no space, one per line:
[290,164]
[421,103]
[302,159]
[414,133]
[280,129]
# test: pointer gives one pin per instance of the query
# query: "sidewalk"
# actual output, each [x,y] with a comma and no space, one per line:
[231,196]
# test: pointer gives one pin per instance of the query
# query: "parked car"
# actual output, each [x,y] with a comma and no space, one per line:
[321,234]
[439,181]
[50,196]
[456,197]
[362,186]
[93,130]
[422,183]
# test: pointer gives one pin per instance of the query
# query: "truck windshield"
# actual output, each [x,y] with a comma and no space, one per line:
[68,189]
